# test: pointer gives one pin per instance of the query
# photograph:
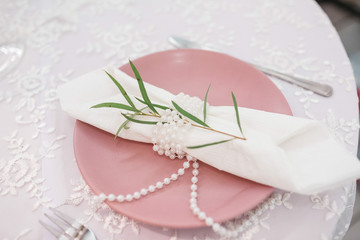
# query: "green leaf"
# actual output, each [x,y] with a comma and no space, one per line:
[237,113]
[155,105]
[188,115]
[139,121]
[115,105]
[123,125]
[142,88]
[210,144]
[122,90]
[205,100]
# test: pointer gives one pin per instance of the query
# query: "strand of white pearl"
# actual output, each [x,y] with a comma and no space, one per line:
[143,192]
[252,215]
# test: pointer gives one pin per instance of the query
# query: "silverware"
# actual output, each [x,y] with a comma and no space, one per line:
[67,227]
[321,89]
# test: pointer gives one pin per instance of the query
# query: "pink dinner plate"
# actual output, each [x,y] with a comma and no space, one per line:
[124,166]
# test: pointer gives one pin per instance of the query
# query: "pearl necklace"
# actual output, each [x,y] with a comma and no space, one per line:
[143,192]
[167,140]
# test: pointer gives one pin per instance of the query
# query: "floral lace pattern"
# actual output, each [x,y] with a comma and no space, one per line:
[64,39]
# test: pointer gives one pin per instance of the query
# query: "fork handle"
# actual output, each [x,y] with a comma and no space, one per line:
[319,88]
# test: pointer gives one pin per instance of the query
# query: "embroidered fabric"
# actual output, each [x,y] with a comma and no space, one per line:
[64,39]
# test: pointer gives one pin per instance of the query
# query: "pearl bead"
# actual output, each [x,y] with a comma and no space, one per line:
[189,157]
[166,180]
[102,196]
[195,172]
[194,179]
[129,197]
[193,194]
[136,195]
[159,185]
[216,227]
[193,206]
[178,147]
[167,147]
[180,157]
[143,191]
[151,188]
[181,171]
[174,176]
[155,148]
[195,165]
[172,156]
[202,215]
[186,164]
[120,198]
[196,211]
[161,152]
[111,197]
[193,187]
[209,221]
[193,200]
[167,153]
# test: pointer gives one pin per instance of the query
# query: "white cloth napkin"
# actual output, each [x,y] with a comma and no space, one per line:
[285,152]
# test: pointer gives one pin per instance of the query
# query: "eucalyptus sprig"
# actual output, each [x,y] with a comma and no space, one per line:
[150,111]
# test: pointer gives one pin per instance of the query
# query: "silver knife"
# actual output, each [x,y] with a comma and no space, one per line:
[318,88]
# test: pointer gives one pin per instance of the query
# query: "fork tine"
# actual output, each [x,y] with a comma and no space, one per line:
[55,232]
[57,222]
[62,216]
[67,219]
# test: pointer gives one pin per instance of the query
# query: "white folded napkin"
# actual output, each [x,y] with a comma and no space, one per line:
[285,152]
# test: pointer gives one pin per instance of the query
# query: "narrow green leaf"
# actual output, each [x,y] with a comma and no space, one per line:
[189,115]
[142,88]
[115,105]
[139,121]
[155,105]
[205,101]
[122,90]
[210,144]
[237,113]
[123,125]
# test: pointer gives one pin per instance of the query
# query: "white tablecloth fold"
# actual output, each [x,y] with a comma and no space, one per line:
[285,152]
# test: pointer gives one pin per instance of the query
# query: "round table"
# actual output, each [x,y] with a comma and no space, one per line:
[66,39]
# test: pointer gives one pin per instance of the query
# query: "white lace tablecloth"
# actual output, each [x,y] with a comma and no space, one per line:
[64,39]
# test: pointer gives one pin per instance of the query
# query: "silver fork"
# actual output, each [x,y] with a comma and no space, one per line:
[324,90]
[67,227]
